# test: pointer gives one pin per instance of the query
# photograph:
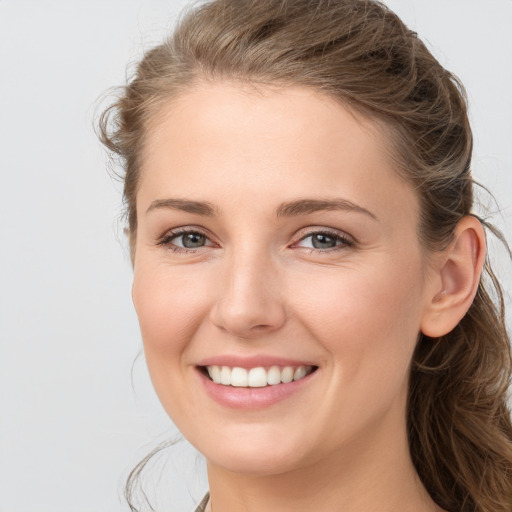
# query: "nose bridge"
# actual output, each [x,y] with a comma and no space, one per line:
[249,301]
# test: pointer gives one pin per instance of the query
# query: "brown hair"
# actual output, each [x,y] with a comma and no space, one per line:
[360,53]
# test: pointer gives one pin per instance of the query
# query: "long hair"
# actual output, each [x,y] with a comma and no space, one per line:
[361,54]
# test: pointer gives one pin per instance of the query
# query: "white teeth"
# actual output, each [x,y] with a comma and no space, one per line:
[238,377]
[274,375]
[299,373]
[287,374]
[256,377]
[214,372]
[225,376]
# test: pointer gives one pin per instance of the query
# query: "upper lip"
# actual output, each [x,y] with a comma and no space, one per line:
[251,361]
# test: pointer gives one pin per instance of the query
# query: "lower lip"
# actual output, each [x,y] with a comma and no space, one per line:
[252,398]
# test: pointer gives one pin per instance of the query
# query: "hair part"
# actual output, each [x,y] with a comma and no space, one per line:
[361,54]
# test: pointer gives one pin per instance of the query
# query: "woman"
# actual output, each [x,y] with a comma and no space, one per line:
[308,264]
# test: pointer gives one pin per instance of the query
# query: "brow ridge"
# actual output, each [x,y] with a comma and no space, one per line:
[288,209]
[308,206]
[198,207]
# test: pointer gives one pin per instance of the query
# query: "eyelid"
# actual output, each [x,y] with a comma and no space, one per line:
[170,234]
[304,233]
[343,240]
[341,236]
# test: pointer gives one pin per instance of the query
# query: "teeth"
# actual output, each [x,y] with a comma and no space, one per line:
[274,375]
[287,374]
[239,377]
[214,372]
[225,376]
[299,373]
[256,377]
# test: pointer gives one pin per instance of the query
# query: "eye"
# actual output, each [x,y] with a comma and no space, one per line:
[324,241]
[191,240]
[184,240]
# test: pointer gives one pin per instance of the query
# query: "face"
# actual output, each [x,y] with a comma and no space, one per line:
[275,241]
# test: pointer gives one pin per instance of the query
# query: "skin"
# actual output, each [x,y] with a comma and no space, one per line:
[355,309]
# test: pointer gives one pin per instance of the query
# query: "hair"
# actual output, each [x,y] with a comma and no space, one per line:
[362,55]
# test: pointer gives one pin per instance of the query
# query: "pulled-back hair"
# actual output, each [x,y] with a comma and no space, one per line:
[360,53]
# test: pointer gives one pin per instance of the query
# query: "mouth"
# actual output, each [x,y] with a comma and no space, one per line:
[258,377]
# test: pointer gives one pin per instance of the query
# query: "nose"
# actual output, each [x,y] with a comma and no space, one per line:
[250,299]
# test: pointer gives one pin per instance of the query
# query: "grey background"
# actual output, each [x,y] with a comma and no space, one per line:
[71,424]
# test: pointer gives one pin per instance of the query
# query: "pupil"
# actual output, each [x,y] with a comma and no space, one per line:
[192,240]
[321,241]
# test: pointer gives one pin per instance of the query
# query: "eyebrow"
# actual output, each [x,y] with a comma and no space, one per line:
[289,209]
[307,206]
[186,205]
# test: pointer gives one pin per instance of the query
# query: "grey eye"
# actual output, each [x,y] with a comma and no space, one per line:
[193,240]
[323,241]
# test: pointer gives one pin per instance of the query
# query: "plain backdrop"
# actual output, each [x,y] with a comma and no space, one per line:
[75,415]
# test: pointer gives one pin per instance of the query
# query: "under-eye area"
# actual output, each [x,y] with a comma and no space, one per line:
[257,377]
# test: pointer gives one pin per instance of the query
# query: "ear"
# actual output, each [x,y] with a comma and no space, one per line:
[456,278]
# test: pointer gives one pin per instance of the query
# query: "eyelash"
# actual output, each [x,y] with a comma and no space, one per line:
[343,240]
[166,240]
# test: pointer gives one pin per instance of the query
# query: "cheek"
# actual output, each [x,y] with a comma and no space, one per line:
[368,324]
[364,317]
[170,308]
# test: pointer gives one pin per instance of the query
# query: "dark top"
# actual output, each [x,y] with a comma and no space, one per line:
[201,507]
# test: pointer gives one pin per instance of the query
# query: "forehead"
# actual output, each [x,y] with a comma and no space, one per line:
[231,110]
[286,141]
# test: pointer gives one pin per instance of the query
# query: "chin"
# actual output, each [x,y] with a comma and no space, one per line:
[256,456]
[255,463]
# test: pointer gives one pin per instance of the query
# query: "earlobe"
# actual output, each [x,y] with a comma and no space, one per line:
[457,278]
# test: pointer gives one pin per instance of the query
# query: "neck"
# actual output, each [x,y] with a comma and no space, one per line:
[371,475]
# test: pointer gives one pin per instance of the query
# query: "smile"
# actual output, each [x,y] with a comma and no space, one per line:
[258,377]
